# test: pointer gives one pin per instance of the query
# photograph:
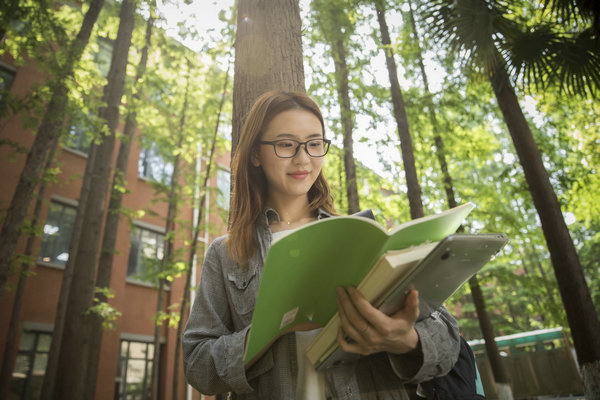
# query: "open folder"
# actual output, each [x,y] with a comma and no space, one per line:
[444,268]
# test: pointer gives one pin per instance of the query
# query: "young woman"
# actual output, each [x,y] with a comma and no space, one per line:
[278,186]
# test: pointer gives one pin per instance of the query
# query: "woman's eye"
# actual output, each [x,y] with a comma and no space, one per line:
[285,145]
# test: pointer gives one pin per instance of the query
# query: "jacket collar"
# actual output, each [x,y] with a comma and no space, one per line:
[272,216]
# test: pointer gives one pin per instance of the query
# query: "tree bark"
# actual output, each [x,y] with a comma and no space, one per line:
[75,350]
[9,347]
[341,71]
[194,244]
[439,143]
[172,210]
[168,254]
[48,130]
[574,291]
[49,383]
[498,368]
[500,374]
[408,157]
[268,54]
[111,225]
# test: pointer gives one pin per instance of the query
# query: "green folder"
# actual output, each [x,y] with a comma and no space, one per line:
[303,269]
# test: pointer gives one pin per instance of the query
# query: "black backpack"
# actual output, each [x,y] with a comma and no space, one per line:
[459,383]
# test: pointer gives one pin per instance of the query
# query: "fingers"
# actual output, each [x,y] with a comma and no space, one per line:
[353,323]
[366,330]
[361,313]
[410,310]
[348,345]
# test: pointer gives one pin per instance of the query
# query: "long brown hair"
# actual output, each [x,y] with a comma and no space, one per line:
[249,192]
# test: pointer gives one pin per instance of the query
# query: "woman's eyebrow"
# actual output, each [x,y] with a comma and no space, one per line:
[289,135]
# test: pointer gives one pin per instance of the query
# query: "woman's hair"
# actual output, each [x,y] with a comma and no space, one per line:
[249,192]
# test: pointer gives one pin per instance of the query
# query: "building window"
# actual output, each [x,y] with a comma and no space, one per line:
[134,371]
[30,365]
[103,57]
[223,184]
[153,166]
[78,138]
[57,234]
[145,255]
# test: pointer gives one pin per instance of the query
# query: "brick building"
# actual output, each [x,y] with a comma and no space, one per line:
[126,352]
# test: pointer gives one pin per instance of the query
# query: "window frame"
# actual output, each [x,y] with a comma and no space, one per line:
[38,330]
[103,57]
[77,130]
[65,203]
[123,365]
[160,234]
[146,167]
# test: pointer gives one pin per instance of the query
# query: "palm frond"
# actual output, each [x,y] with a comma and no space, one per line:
[568,11]
[536,56]
[472,29]
[576,63]
[526,52]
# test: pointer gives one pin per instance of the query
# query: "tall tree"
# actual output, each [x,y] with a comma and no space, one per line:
[9,347]
[109,236]
[52,365]
[408,157]
[168,257]
[194,244]
[73,359]
[48,130]
[336,28]
[501,377]
[456,22]
[268,54]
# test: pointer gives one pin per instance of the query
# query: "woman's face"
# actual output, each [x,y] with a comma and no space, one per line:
[289,177]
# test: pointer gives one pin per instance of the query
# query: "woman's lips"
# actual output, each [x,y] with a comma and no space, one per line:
[299,174]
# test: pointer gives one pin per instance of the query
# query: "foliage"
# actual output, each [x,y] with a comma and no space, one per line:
[538,47]
[104,310]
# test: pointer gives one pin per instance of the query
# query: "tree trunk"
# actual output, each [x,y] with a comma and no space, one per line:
[500,375]
[9,347]
[48,130]
[194,244]
[166,261]
[408,157]
[338,50]
[109,238]
[526,259]
[49,383]
[439,143]
[498,368]
[73,360]
[168,254]
[540,268]
[268,54]
[574,291]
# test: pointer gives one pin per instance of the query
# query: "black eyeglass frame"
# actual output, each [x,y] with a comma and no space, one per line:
[273,143]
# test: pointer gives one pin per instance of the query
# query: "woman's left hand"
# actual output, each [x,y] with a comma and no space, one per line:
[366,330]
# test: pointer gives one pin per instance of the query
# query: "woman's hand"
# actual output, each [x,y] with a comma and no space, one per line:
[366,330]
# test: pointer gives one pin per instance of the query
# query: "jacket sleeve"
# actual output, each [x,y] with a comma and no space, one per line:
[439,345]
[212,351]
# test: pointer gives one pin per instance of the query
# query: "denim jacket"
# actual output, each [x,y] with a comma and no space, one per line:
[214,338]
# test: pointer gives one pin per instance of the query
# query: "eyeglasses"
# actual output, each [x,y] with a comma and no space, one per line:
[288,148]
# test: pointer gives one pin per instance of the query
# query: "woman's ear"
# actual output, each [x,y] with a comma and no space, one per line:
[254,159]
